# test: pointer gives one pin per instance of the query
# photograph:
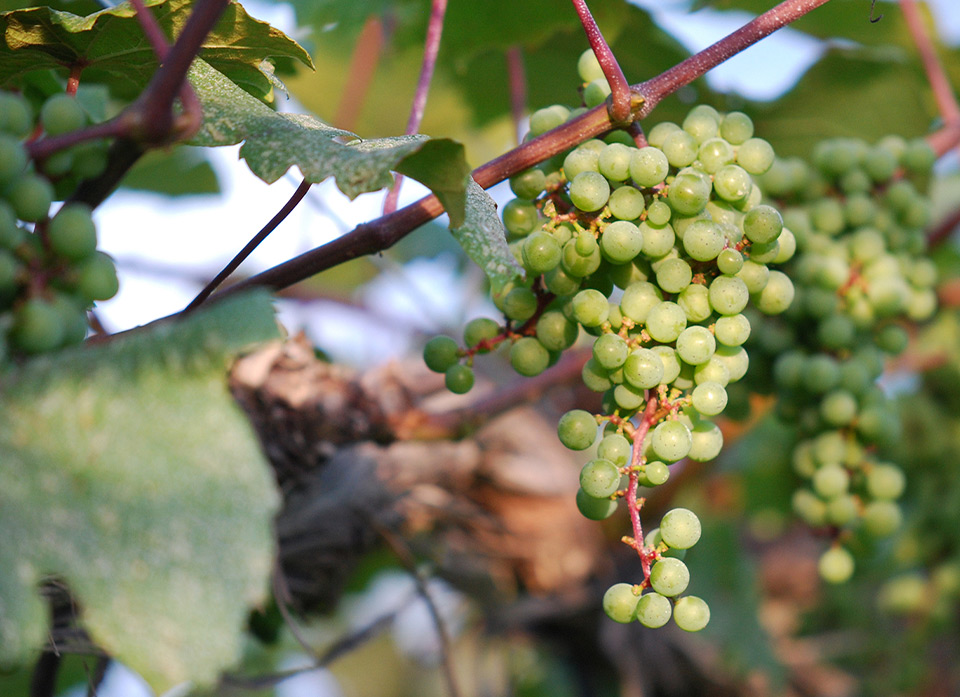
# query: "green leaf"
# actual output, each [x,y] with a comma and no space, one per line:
[128,472]
[113,49]
[484,239]
[273,143]
[177,172]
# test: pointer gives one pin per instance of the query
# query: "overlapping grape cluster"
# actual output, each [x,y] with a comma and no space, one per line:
[655,251]
[50,269]
[861,273]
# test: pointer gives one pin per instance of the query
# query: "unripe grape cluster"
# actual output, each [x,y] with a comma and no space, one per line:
[50,270]
[861,274]
[653,250]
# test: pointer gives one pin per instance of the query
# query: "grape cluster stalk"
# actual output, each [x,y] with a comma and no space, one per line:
[654,252]
[51,272]
[862,275]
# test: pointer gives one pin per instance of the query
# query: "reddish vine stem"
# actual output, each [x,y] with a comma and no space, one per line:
[115,128]
[363,63]
[517,78]
[166,84]
[939,83]
[73,80]
[431,47]
[637,460]
[380,234]
[251,245]
[619,87]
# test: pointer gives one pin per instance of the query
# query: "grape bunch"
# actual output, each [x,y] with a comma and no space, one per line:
[50,269]
[861,273]
[653,250]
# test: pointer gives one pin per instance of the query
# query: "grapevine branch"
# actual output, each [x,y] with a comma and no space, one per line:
[619,87]
[383,232]
[430,49]
[517,77]
[939,83]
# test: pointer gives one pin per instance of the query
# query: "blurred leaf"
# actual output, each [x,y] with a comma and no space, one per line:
[484,239]
[129,472]
[177,172]
[114,50]
[272,143]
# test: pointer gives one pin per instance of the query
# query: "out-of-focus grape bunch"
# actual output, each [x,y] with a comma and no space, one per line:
[654,250]
[862,275]
[50,270]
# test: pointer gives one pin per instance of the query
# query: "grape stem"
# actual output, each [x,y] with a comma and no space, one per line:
[634,504]
[620,97]
[517,76]
[431,47]
[73,81]
[377,235]
[939,83]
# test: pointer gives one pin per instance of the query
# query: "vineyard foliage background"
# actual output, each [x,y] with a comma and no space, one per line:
[171,539]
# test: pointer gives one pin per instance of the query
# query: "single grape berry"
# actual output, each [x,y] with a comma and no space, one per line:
[671,441]
[97,277]
[528,357]
[691,613]
[440,353]
[37,327]
[478,330]
[61,114]
[459,378]
[577,429]
[600,478]
[836,565]
[595,509]
[620,603]
[680,528]
[71,232]
[669,577]
[654,610]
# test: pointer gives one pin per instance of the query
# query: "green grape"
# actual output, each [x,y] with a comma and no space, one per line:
[885,482]
[31,196]
[703,240]
[528,184]
[620,242]
[732,330]
[589,191]
[706,441]
[673,275]
[596,92]
[658,134]
[655,473]
[918,157]
[754,276]
[836,565]
[709,398]
[16,117]
[671,441]
[755,155]
[595,376]
[520,217]
[696,345]
[775,297]
[89,160]
[669,577]
[694,300]
[643,369]
[577,429]
[728,295]
[762,224]
[520,304]
[732,183]
[590,308]
[610,351]
[529,357]
[638,299]
[576,264]
[459,378]
[811,509]
[653,610]
[479,330]
[595,509]
[71,233]
[541,252]
[837,331]
[658,214]
[892,339]
[665,322]
[838,408]
[648,166]
[880,164]
[729,261]
[714,154]
[614,161]
[831,481]
[628,397]
[703,126]
[548,118]
[73,318]
[671,364]
[61,114]
[736,128]
[691,614]
[764,252]
[714,370]
[600,478]
[882,518]
[680,148]
[680,528]
[657,241]
[582,159]
[842,510]
[555,331]
[688,194]
[626,203]
[440,353]
[13,158]
[37,327]
[620,603]
[615,448]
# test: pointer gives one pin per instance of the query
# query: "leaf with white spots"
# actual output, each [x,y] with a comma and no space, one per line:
[128,473]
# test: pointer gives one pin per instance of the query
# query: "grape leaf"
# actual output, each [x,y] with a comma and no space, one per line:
[180,171]
[273,142]
[113,49]
[128,472]
[484,239]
